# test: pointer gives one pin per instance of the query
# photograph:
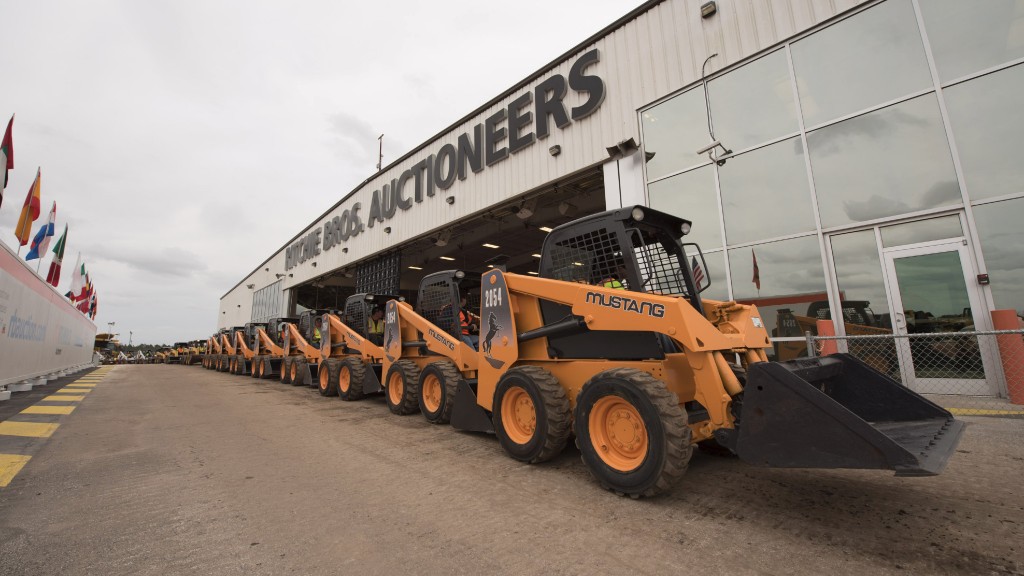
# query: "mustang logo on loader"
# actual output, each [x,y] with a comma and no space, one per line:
[492,330]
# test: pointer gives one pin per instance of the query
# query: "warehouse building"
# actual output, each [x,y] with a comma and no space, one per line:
[839,159]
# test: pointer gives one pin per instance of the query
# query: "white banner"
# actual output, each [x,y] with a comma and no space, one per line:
[40,332]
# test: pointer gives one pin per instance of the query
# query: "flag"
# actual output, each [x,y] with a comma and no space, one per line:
[29,212]
[42,240]
[757,273]
[698,272]
[77,278]
[6,156]
[53,277]
[94,307]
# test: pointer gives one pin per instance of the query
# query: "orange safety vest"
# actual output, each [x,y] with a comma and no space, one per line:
[464,318]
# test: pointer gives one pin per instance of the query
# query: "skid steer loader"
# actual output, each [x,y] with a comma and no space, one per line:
[228,350]
[302,348]
[352,354]
[643,372]
[242,361]
[268,348]
[424,355]
[212,352]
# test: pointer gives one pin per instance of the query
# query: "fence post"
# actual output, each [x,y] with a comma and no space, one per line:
[811,350]
[826,328]
[1011,353]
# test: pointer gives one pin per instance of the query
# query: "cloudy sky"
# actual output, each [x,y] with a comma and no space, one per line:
[185,141]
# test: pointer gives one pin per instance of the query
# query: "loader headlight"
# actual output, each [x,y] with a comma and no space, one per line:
[685,228]
[460,274]
[637,214]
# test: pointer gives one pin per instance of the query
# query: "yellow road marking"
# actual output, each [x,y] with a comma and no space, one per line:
[82,385]
[33,429]
[78,391]
[980,412]
[48,410]
[10,465]
[65,398]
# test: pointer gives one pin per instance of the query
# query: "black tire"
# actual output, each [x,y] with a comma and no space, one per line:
[267,368]
[297,371]
[286,370]
[257,361]
[664,444]
[222,363]
[351,372]
[401,387]
[327,378]
[437,385]
[244,366]
[544,437]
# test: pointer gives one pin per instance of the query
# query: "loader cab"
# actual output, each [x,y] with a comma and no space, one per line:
[274,326]
[310,324]
[439,298]
[359,311]
[250,332]
[634,248]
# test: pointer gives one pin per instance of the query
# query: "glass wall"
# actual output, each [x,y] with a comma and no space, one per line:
[268,302]
[845,138]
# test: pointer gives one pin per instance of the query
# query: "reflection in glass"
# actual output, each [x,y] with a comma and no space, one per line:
[889,162]
[674,131]
[715,261]
[691,195]
[968,37]
[987,123]
[754,104]
[790,275]
[922,231]
[861,287]
[1002,235]
[765,193]
[867,59]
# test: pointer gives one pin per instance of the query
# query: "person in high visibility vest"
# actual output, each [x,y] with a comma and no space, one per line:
[317,324]
[375,325]
[469,323]
[612,282]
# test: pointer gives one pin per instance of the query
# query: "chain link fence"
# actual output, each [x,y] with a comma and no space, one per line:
[968,373]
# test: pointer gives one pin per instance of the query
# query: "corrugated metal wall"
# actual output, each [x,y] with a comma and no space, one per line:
[648,58]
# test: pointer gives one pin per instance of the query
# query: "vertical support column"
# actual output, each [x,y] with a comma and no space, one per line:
[1011,353]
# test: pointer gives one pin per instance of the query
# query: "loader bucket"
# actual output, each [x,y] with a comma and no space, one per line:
[838,412]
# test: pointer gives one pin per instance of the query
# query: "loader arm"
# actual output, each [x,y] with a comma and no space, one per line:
[226,345]
[405,325]
[340,336]
[266,345]
[295,344]
[241,346]
[216,345]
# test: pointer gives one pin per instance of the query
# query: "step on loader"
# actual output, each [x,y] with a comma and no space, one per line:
[268,348]
[613,342]
[425,356]
[351,348]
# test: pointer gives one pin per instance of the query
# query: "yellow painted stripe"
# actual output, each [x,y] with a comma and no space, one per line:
[10,465]
[64,398]
[48,410]
[78,391]
[76,384]
[981,412]
[33,429]
[78,388]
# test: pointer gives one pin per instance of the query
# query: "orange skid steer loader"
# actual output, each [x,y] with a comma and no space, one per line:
[242,362]
[227,346]
[424,355]
[268,347]
[302,348]
[213,352]
[351,349]
[614,343]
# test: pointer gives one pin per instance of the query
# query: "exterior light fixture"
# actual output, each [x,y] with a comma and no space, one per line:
[527,209]
[450,200]
[708,9]
[250,286]
[387,230]
[279,275]
[555,150]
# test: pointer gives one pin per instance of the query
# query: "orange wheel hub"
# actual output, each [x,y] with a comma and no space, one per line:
[344,379]
[395,388]
[431,392]
[618,433]
[518,415]
[295,371]
[324,380]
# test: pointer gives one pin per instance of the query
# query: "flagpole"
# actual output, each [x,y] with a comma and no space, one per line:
[38,264]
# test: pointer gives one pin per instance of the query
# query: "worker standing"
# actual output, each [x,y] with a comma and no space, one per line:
[469,323]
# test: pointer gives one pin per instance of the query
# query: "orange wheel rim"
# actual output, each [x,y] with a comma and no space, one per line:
[395,388]
[295,371]
[431,392]
[518,415]
[344,379]
[324,380]
[618,433]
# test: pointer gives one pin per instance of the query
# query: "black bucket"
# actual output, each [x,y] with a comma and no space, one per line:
[838,412]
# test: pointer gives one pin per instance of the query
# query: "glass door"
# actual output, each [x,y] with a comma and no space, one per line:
[931,289]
